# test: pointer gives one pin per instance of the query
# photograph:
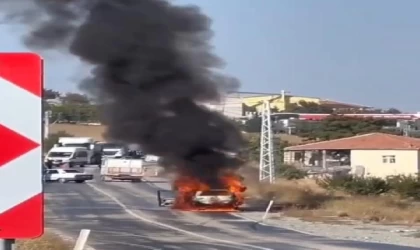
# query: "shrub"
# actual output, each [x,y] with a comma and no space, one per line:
[291,173]
[335,183]
[406,186]
[357,185]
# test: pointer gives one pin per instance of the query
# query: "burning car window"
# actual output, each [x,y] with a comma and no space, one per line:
[214,192]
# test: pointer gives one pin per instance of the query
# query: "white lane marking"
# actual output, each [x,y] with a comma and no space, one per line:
[128,211]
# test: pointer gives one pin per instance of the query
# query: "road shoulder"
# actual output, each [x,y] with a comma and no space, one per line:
[386,234]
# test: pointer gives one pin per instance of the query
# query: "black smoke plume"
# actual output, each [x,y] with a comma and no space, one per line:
[152,64]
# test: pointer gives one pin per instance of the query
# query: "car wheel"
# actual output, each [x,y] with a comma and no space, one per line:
[61,180]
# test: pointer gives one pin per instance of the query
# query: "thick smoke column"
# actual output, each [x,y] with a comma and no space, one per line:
[152,64]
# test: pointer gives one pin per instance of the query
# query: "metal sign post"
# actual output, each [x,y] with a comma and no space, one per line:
[22,202]
[7,244]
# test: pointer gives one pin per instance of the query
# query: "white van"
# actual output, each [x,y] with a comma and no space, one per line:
[67,155]
[80,142]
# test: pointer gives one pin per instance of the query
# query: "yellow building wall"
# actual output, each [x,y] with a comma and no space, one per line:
[255,100]
[406,162]
[297,99]
[277,101]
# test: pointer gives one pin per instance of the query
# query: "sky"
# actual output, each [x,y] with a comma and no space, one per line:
[356,51]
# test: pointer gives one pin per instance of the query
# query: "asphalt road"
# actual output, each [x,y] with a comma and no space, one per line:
[125,216]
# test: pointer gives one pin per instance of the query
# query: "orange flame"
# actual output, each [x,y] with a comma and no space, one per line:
[187,186]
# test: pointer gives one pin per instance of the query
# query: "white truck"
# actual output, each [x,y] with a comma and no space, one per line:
[122,169]
[66,175]
[111,150]
[84,142]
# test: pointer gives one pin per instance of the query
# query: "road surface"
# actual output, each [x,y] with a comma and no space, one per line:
[125,216]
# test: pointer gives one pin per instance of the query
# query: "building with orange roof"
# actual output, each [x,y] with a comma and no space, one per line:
[375,154]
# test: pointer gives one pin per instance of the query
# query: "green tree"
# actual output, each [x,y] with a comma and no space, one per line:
[337,126]
[254,144]
[393,111]
[51,94]
[253,125]
[72,113]
[253,147]
[75,98]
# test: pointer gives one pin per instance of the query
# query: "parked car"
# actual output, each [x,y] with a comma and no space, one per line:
[66,175]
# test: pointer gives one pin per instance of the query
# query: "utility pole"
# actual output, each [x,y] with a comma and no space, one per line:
[47,115]
[266,145]
[7,244]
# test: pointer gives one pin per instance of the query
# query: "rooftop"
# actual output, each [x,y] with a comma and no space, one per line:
[331,103]
[342,104]
[373,141]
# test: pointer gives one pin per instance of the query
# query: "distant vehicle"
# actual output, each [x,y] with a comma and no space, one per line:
[151,158]
[111,150]
[73,156]
[81,142]
[122,169]
[66,175]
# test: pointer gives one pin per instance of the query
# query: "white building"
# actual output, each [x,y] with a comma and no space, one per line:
[231,106]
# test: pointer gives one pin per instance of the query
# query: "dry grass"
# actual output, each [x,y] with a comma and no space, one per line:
[291,139]
[78,130]
[306,200]
[378,209]
[48,241]
[296,193]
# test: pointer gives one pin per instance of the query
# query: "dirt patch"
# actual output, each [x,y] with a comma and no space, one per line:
[48,241]
[94,131]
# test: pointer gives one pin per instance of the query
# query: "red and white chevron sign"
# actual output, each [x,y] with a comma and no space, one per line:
[21,188]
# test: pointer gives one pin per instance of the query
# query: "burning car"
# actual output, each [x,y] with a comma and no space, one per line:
[212,197]
[193,195]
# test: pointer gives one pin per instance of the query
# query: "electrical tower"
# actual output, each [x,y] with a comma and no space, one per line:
[266,145]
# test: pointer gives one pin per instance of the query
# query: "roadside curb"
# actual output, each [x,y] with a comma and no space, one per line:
[66,237]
